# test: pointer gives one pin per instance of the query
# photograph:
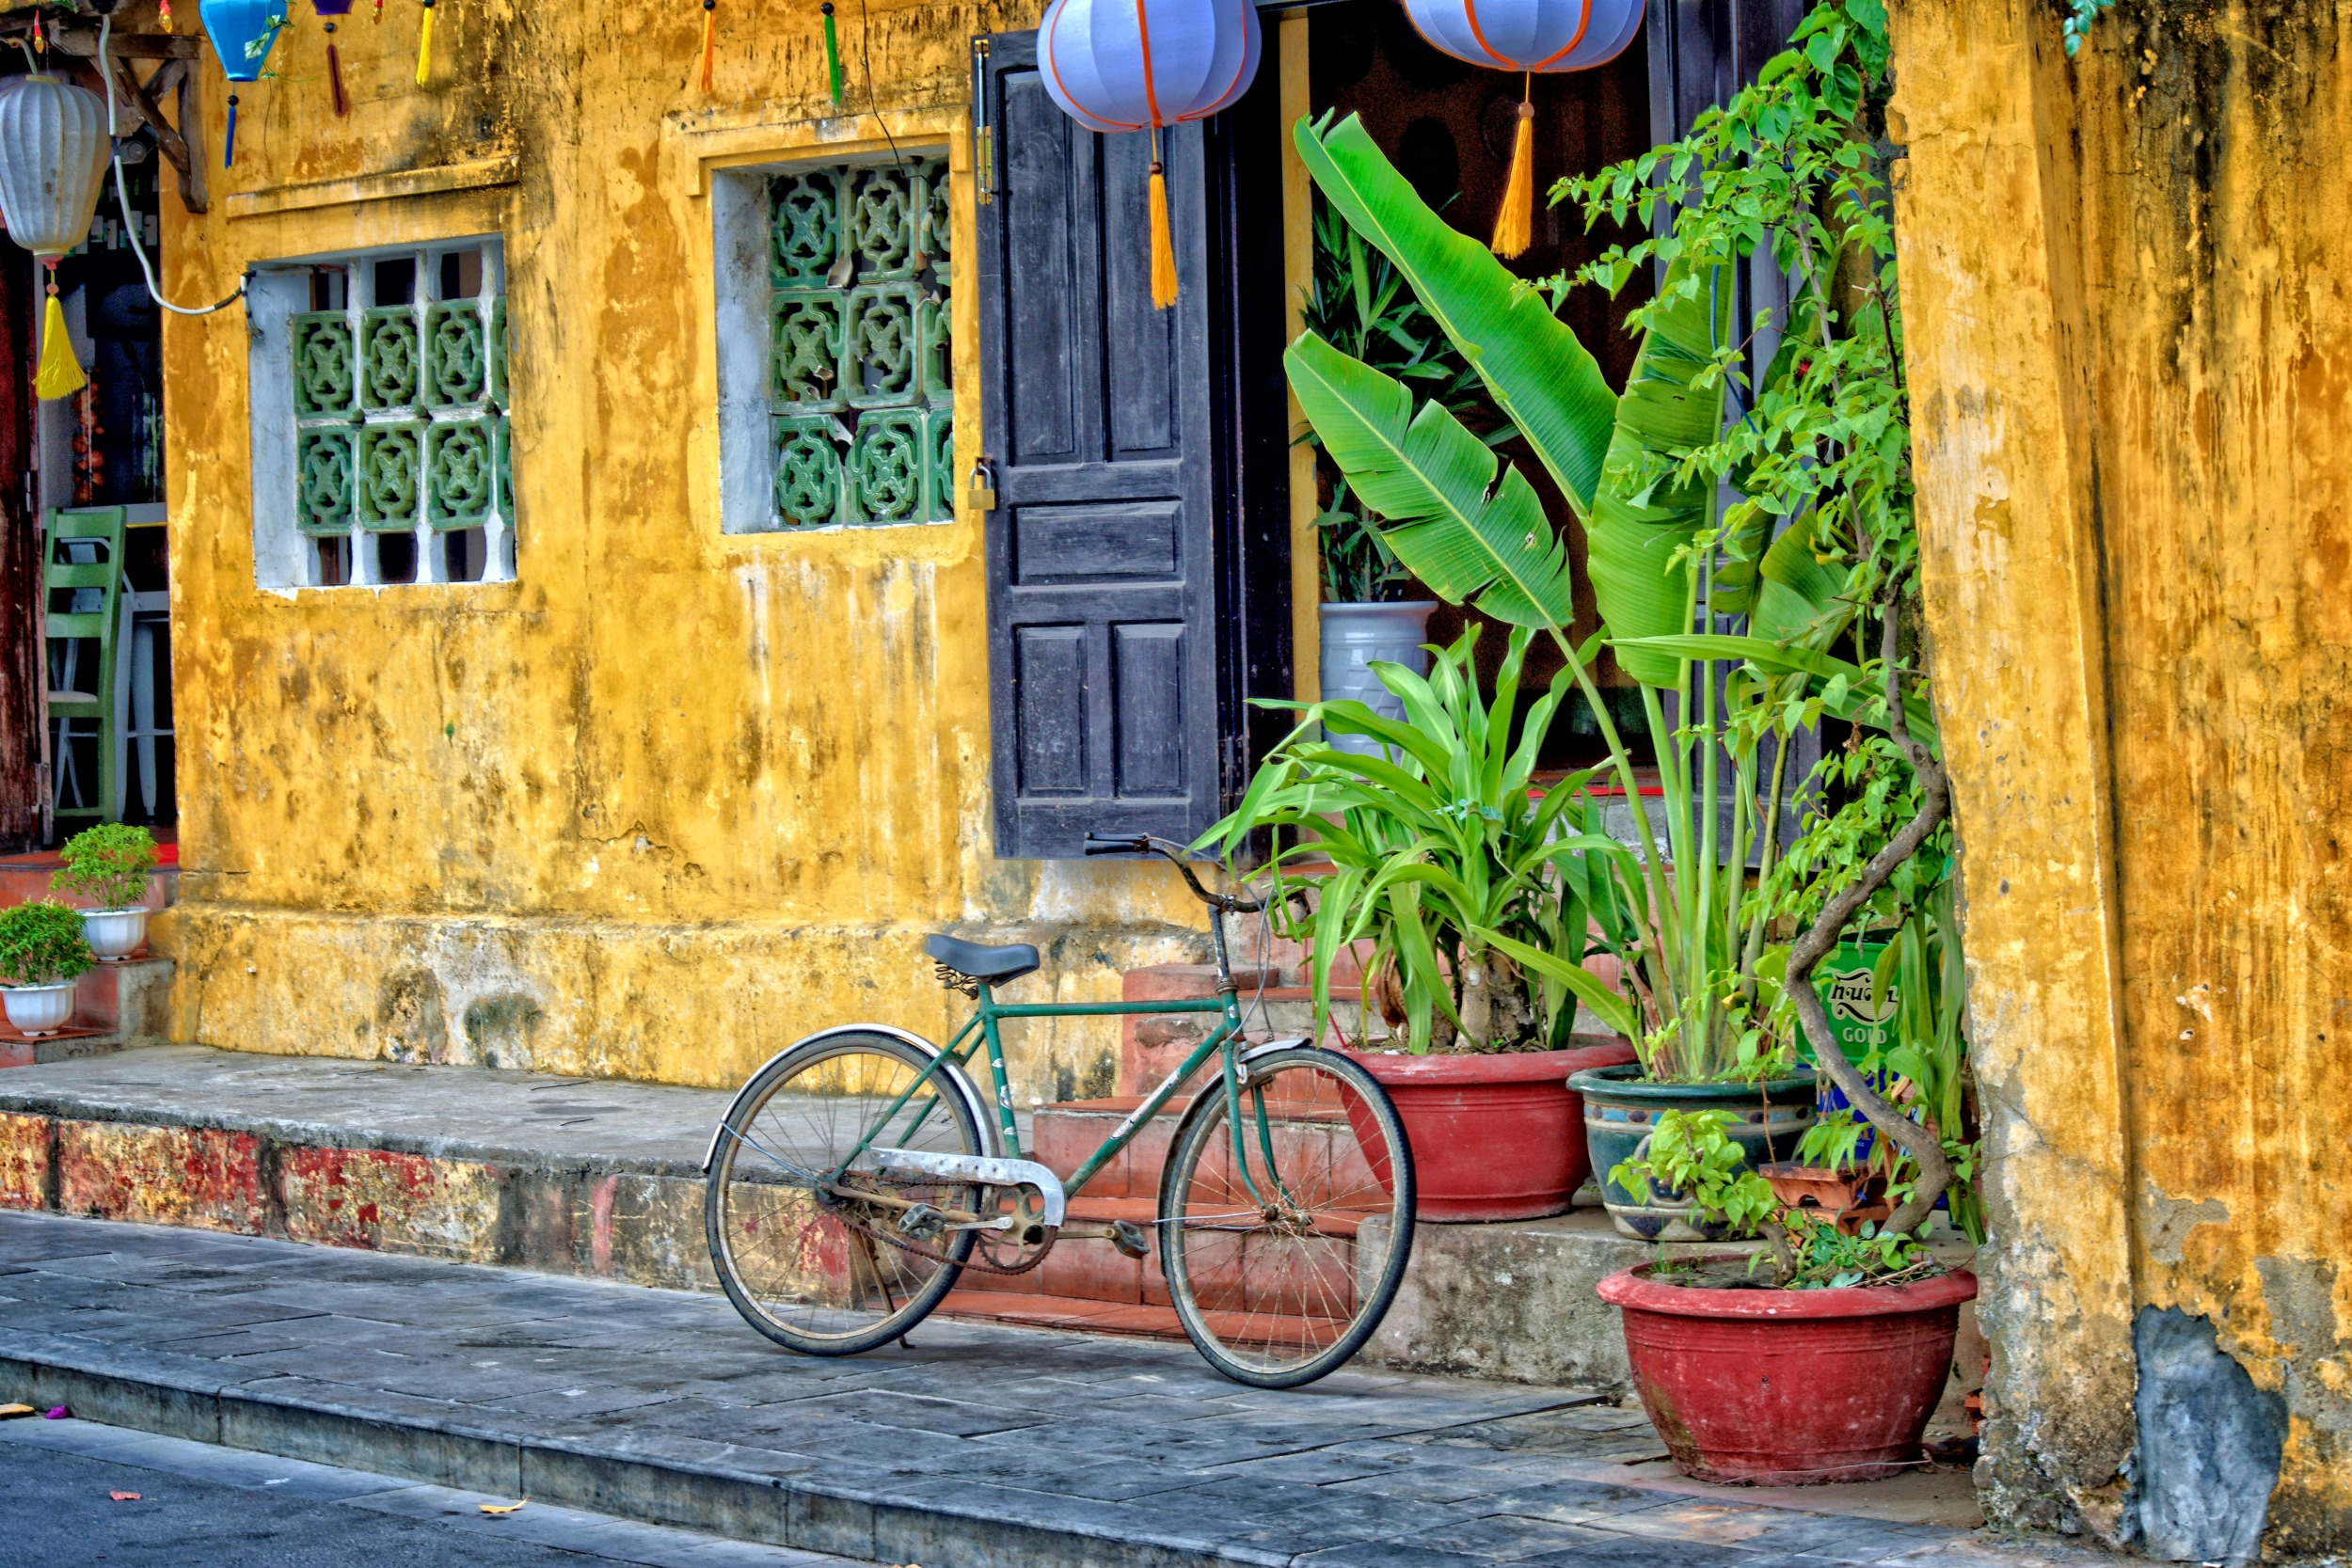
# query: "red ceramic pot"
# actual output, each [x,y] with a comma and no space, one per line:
[1789,1387]
[1498,1137]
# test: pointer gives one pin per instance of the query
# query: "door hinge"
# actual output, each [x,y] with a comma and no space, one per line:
[983,134]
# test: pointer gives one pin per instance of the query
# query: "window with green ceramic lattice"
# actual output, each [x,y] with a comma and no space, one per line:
[860,402]
[397,372]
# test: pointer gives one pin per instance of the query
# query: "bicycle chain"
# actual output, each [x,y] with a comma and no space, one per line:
[919,1250]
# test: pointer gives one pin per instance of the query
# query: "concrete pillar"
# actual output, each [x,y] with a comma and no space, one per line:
[2127,283]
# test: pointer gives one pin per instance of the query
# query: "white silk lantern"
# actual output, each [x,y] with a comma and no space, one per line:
[53,164]
[1144,64]
[1531,36]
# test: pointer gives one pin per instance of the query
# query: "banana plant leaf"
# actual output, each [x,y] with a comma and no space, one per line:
[1540,376]
[1431,479]
[1642,515]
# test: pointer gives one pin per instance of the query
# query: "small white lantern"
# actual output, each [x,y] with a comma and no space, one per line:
[53,164]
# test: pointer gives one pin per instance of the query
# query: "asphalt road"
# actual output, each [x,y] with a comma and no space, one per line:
[228,1509]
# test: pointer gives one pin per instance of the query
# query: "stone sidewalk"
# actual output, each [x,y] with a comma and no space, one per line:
[973,1447]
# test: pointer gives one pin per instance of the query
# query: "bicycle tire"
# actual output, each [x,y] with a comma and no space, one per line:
[1260,1296]
[812,1254]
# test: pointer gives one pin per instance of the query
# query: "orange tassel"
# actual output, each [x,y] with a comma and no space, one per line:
[1163,242]
[1515,224]
[710,21]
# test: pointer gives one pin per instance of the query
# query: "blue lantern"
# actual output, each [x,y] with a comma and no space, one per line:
[1533,38]
[242,32]
[1137,65]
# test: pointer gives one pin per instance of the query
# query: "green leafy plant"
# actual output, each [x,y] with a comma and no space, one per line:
[107,864]
[1358,301]
[1442,862]
[1690,1152]
[40,943]
[1818,552]
[2080,14]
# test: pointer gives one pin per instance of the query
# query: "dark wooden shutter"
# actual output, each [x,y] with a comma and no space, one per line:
[1096,420]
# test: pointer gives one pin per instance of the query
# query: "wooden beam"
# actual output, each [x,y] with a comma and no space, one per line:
[168,141]
[190,84]
[72,36]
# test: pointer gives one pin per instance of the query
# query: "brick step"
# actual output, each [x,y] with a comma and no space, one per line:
[24,880]
[116,1007]
[1089,1317]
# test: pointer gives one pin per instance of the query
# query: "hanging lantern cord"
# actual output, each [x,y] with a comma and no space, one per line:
[130,229]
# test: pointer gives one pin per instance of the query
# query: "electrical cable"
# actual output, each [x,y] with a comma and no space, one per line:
[122,197]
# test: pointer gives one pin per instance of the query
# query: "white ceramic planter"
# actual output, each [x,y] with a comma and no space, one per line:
[1354,635]
[114,935]
[38,1009]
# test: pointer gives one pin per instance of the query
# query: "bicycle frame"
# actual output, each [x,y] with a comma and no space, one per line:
[981,1028]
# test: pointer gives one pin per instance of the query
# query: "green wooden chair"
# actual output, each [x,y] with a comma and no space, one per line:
[82,578]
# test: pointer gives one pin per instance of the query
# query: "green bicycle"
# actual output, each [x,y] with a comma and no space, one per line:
[859,1172]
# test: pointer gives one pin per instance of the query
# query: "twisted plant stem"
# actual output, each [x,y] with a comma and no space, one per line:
[1924,1143]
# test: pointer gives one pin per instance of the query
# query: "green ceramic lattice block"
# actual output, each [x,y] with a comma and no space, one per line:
[884,205]
[937,237]
[880,350]
[460,473]
[886,467]
[503,446]
[391,360]
[457,356]
[498,393]
[326,368]
[390,473]
[323,470]
[808,488]
[939,465]
[805,351]
[803,226]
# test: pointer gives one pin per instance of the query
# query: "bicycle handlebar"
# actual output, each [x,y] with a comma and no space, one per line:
[1172,852]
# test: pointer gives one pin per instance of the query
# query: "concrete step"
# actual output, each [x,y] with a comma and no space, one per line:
[24,879]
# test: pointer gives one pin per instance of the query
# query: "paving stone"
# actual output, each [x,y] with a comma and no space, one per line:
[975,1443]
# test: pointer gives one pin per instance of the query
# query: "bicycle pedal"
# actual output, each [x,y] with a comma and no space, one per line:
[1131,1241]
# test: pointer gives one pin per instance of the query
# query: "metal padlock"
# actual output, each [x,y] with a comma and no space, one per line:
[982,493]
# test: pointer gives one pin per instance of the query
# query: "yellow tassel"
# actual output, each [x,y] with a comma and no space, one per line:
[1163,245]
[60,371]
[424,46]
[1515,223]
[710,20]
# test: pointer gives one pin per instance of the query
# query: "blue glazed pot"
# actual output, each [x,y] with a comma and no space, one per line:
[1620,1109]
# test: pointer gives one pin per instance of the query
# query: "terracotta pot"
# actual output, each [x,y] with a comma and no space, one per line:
[1621,1108]
[1847,1197]
[1497,1137]
[1789,1387]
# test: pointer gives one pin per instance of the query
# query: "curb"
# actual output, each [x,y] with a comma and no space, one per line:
[850,1511]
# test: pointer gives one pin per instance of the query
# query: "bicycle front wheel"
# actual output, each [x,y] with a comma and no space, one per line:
[1283,1248]
[815,1263]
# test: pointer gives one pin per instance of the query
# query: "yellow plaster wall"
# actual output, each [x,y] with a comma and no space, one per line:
[2125,281]
[672,799]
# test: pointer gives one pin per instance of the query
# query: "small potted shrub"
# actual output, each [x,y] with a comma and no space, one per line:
[109,865]
[41,953]
[1445,864]
[1823,1368]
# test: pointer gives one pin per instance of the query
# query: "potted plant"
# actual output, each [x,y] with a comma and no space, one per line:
[41,953]
[1825,1371]
[109,865]
[1437,845]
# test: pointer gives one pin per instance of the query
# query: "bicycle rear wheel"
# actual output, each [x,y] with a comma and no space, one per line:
[807,1262]
[1282,1274]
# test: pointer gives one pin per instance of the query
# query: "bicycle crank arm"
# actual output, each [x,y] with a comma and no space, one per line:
[983,1171]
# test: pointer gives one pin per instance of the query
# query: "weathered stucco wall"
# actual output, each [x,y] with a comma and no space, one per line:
[672,799]
[2128,282]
